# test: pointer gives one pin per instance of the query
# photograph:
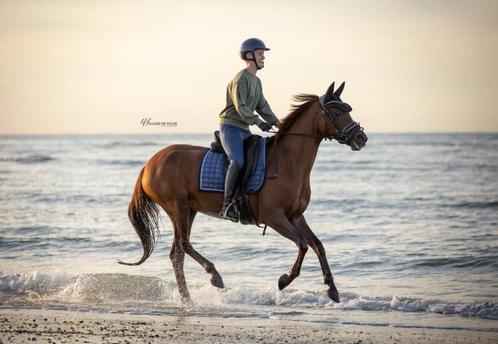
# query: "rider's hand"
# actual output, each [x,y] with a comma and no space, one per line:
[264,126]
[278,124]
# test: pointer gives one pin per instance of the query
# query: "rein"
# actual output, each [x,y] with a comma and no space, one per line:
[296,134]
[310,136]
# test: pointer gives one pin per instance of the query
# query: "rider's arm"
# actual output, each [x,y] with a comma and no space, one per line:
[239,94]
[263,108]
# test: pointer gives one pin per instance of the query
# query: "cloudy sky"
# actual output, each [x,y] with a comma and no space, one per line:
[102,66]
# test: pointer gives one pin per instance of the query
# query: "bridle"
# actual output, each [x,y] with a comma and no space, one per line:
[344,135]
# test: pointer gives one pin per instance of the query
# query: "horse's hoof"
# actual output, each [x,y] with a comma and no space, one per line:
[217,281]
[283,281]
[333,293]
[187,301]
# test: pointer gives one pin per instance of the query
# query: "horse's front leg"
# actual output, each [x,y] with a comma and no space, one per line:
[285,228]
[317,246]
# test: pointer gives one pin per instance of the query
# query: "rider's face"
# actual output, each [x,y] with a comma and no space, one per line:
[259,55]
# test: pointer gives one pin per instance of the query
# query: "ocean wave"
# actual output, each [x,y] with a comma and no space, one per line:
[125,162]
[490,261]
[338,202]
[74,199]
[422,202]
[485,310]
[474,204]
[28,159]
[85,287]
[339,162]
[438,140]
[55,243]
[417,144]
[119,289]
[130,144]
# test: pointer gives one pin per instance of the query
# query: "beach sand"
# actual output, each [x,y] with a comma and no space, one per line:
[54,326]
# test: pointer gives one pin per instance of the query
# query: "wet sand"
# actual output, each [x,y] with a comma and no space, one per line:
[54,326]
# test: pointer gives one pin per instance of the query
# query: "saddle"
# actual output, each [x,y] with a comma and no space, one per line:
[252,146]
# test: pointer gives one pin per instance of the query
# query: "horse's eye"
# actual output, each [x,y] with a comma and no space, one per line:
[337,113]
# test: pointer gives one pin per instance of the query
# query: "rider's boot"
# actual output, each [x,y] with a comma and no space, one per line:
[231,180]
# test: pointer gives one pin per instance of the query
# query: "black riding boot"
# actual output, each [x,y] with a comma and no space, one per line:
[231,181]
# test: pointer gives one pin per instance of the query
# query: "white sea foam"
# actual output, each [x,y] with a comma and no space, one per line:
[121,288]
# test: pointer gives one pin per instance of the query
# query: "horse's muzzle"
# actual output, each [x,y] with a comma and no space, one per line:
[359,140]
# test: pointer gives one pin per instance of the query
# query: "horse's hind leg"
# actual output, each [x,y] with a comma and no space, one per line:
[317,246]
[177,255]
[182,218]
[285,228]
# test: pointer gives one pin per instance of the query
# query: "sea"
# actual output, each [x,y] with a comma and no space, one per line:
[409,224]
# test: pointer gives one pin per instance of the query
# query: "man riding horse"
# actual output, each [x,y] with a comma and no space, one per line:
[244,96]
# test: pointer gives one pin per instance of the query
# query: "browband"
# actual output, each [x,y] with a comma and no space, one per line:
[336,103]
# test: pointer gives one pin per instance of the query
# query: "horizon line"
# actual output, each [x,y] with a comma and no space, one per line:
[211,132]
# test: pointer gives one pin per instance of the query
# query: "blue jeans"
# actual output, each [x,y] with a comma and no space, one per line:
[232,139]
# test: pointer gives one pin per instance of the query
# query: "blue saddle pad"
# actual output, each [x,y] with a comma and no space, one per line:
[212,174]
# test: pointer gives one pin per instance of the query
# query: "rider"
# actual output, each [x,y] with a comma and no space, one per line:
[244,96]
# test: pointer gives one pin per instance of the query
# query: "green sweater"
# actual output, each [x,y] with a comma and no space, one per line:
[244,95]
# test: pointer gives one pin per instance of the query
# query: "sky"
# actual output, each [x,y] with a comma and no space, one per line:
[92,66]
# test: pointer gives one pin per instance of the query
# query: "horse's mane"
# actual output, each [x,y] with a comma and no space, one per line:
[303,103]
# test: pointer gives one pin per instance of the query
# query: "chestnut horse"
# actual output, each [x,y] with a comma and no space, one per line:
[170,179]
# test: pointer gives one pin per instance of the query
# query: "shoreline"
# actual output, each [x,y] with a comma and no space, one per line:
[64,326]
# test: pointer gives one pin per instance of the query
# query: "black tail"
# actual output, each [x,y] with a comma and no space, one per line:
[144,216]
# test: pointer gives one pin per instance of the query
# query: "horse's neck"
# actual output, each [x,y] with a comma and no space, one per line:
[300,151]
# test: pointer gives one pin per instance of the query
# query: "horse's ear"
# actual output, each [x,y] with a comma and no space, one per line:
[338,93]
[330,93]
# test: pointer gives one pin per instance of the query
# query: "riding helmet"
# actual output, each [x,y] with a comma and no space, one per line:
[251,44]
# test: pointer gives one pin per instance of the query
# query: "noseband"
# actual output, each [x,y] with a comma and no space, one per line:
[344,135]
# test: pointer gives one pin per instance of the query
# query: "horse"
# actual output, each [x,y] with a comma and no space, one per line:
[170,180]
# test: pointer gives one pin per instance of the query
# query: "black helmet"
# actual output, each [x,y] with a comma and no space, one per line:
[251,44]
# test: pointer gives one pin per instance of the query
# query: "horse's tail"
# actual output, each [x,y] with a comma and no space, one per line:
[144,216]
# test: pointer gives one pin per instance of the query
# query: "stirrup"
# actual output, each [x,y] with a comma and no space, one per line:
[226,214]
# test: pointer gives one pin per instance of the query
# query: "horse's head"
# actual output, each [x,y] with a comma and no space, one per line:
[339,124]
